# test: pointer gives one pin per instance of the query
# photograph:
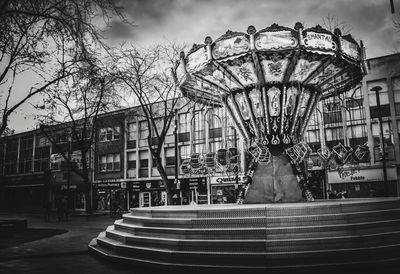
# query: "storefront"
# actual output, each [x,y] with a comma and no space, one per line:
[75,195]
[194,190]
[147,193]
[363,182]
[225,189]
[151,193]
[109,194]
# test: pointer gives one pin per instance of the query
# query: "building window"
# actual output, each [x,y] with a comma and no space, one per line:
[198,126]
[383,98]
[11,157]
[109,134]
[170,156]
[396,94]
[313,140]
[215,124]
[214,146]
[184,152]
[199,148]
[334,136]
[387,140]
[357,135]
[132,135]
[109,162]
[42,158]
[143,163]
[144,130]
[184,125]
[42,141]
[26,154]
[131,165]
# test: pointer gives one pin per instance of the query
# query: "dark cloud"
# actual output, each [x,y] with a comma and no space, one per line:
[120,30]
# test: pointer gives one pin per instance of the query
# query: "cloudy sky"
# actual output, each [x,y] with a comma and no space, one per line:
[190,21]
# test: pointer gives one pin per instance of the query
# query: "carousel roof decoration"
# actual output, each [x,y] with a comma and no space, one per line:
[271,80]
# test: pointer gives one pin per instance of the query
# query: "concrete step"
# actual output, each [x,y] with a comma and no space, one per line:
[240,258]
[337,218]
[259,245]
[252,232]
[270,210]
[278,236]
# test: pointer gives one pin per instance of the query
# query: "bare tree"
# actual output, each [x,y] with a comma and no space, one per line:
[150,76]
[332,22]
[45,41]
[73,107]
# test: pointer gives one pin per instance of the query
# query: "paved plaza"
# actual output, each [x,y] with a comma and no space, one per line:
[63,253]
[68,252]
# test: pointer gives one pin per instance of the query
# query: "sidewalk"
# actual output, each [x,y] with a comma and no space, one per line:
[63,253]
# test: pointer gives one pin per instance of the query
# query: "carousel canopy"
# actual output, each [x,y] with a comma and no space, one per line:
[271,80]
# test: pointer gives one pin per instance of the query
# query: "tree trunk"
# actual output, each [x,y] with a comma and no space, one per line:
[86,180]
[169,187]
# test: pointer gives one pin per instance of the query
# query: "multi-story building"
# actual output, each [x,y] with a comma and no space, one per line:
[123,171]
[351,119]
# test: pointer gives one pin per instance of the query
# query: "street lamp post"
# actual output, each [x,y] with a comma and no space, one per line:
[176,150]
[376,89]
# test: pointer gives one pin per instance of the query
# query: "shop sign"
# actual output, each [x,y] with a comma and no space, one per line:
[319,41]
[364,175]
[136,186]
[193,181]
[148,185]
[108,185]
[226,180]
[123,184]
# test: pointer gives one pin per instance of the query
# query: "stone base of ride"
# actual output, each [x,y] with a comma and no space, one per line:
[282,236]
[274,182]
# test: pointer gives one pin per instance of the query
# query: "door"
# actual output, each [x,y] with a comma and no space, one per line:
[144,199]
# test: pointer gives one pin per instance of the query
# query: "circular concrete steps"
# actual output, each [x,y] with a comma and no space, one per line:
[263,236]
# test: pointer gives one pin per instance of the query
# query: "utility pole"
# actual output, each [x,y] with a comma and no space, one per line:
[376,89]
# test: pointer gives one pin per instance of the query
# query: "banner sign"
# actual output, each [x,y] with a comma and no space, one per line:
[364,175]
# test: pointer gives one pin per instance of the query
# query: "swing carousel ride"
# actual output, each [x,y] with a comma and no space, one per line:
[270,83]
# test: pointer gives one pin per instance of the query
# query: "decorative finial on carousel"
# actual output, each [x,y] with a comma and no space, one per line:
[208,42]
[298,26]
[251,30]
[182,60]
[337,32]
